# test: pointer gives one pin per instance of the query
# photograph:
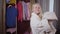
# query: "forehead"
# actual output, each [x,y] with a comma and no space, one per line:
[36,5]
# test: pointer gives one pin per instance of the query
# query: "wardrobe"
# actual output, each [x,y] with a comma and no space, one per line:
[19,27]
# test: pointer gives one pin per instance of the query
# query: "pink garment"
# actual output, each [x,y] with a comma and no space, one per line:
[28,11]
[24,10]
[20,11]
[11,30]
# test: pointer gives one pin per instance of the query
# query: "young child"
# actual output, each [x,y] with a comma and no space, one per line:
[39,24]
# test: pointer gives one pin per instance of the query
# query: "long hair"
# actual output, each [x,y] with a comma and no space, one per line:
[40,15]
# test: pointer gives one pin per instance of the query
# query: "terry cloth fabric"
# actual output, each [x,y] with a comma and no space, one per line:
[39,26]
[11,15]
[50,16]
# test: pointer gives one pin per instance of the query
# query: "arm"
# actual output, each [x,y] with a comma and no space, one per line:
[35,23]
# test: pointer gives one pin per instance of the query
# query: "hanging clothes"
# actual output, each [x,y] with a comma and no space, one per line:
[24,17]
[25,10]
[11,14]
[20,11]
[12,2]
[7,1]
[28,10]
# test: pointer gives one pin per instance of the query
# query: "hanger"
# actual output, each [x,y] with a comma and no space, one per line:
[9,6]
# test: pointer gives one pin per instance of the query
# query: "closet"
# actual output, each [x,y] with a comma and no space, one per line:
[14,21]
[9,17]
[23,18]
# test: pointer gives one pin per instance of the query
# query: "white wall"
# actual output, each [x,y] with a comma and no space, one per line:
[51,5]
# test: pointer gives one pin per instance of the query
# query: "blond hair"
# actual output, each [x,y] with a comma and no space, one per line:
[40,15]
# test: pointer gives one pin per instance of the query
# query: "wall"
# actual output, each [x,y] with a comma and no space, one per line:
[1,17]
[57,11]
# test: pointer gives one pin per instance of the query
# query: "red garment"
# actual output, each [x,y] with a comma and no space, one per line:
[20,11]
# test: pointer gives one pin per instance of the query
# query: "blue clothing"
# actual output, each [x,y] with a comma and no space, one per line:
[11,14]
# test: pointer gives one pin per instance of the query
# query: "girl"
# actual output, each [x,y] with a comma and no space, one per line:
[39,24]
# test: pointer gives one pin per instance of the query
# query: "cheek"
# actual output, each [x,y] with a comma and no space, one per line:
[37,12]
[35,9]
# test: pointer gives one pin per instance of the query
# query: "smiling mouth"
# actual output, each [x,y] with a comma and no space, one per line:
[38,13]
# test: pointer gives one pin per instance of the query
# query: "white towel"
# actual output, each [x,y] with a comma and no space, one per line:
[50,15]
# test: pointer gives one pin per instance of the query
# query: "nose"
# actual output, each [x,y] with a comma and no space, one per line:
[38,7]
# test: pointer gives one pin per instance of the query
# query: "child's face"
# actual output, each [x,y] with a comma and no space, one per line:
[37,8]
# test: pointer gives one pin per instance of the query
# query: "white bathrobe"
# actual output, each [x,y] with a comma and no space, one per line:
[39,26]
